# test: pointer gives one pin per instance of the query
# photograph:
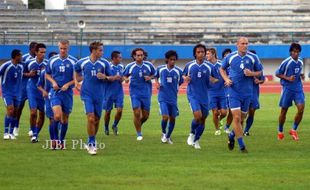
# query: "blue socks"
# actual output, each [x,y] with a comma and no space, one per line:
[231,135]
[241,143]
[249,123]
[170,129]
[295,126]
[199,131]
[7,122]
[63,131]
[163,126]
[139,133]
[280,128]
[115,123]
[91,141]
[194,126]
[106,126]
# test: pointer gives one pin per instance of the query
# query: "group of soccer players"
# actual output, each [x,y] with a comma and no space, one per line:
[228,87]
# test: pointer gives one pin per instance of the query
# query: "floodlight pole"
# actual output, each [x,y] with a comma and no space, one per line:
[81,41]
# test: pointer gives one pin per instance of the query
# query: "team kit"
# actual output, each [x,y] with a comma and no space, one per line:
[229,88]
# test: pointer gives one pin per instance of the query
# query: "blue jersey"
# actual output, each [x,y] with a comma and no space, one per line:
[92,86]
[26,59]
[32,82]
[197,88]
[11,79]
[138,86]
[61,70]
[217,89]
[242,86]
[115,88]
[256,86]
[169,80]
[44,83]
[288,68]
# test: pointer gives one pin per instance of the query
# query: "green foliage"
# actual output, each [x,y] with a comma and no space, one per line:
[128,164]
[36,4]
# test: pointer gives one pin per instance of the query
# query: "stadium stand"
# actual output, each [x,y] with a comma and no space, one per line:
[160,22]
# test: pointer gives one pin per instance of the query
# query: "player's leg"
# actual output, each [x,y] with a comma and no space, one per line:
[215,117]
[41,118]
[299,99]
[8,101]
[164,112]
[201,127]
[18,115]
[66,102]
[91,131]
[249,121]
[285,102]
[137,122]
[107,106]
[195,107]
[222,110]
[119,104]
[173,113]
[145,108]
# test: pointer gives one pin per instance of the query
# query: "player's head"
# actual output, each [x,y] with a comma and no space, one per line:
[242,45]
[171,57]
[138,54]
[211,54]
[199,51]
[63,46]
[16,55]
[40,51]
[96,49]
[32,47]
[226,52]
[116,57]
[295,50]
[51,54]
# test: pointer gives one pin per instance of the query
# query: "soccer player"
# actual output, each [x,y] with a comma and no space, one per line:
[60,73]
[291,73]
[26,75]
[254,104]
[243,65]
[229,118]
[93,71]
[168,79]
[11,80]
[216,93]
[114,94]
[35,98]
[45,88]
[197,74]
[141,73]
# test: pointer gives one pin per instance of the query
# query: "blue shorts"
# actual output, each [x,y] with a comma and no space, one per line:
[217,102]
[168,109]
[63,99]
[23,96]
[254,103]
[11,101]
[240,103]
[288,96]
[196,106]
[36,103]
[141,102]
[118,102]
[92,105]
[48,109]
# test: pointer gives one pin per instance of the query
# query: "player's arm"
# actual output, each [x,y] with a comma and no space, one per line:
[53,82]
[40,85]
[225,77]
[280,73]
[185,76]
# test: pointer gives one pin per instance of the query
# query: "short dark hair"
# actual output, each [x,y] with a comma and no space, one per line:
[199,46]
[15,53]
[94,45]
[40,45]
[225,51]
[32,45]
[295,46]
[51,54]
[252,51]
[114,54]
[133,53]
[171,53]
[213,51]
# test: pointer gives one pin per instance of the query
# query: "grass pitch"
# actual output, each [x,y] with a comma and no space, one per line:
[125,163]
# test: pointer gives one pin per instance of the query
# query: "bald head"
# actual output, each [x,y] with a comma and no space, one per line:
[242,45]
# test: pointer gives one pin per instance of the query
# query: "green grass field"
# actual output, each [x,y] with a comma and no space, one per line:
[128,164]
